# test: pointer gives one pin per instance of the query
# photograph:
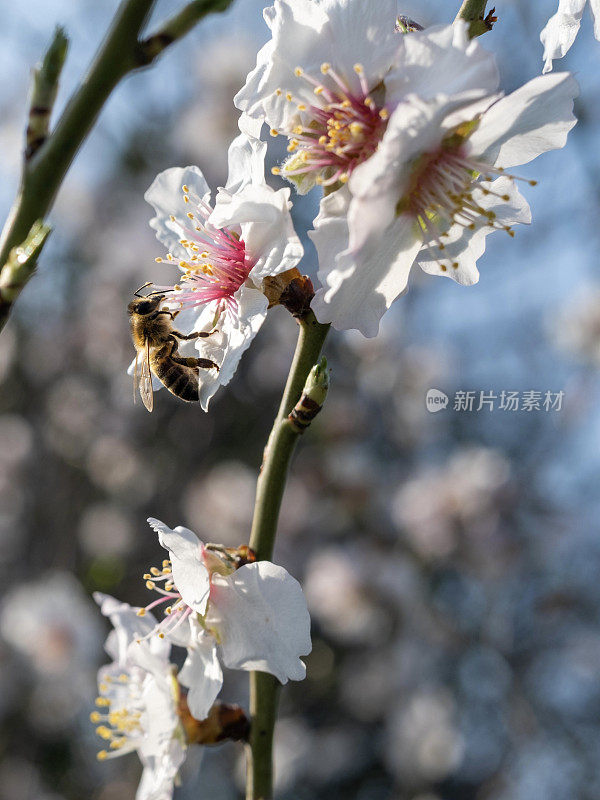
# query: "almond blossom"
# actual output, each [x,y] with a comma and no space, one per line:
[139,700]
[562,28]
[224,252]
[335,70]
[254,614]
[435,188]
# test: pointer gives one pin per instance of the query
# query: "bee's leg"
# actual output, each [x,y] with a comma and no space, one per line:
[201,363]
[196,335]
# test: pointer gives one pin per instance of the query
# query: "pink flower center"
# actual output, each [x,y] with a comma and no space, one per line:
[344,129]
[217,263]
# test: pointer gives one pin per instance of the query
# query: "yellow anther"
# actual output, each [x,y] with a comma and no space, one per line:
[322,139]
[346,104]
[146,576]
[168,610]
[190,215]
[298,130]
[104,732]
[141,612]
[170,585]
[298,72]
[273,132]
[443,268]
[154,570]
[172,218]
[161,635]
[384,114]
[166,563]
[533,183]
[359,69]
[102,755]
[95,717]
[325,67]
[150,585]
[455,264]
[344,178]
[169,257]
[288,97]
[275,171]
[319,89]
[185,188]
[103,687]
[278,92]
[301,107]
[102,701]
[158,260]
[186,199]
[368,101]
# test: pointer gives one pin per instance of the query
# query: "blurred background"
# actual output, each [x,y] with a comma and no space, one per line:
[451,561]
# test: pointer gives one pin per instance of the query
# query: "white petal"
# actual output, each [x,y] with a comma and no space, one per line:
[231,340]
[128,626]
[561,30]
[266,227]
[166,196]
[261,616]
[533,119]
[189,573]
[202,674]
[307,34]
[595,9]
[160,772]
[361,285]
[465,246]
[246,156]
[441,60]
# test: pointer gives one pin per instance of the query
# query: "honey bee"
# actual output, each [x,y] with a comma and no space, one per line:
[156,344]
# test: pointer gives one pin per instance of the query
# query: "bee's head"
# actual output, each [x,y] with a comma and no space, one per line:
[145,305]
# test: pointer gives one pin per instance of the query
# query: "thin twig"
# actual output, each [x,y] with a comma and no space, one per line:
[269,493]
[117,56]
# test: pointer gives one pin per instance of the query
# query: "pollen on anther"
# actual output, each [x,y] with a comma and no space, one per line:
[275,171]
[288,97]
[273,132]
[384,114]
[298,72]
[158,260]
[150,585]
[190,215]
[102,755]
[325,67]
[185,188]
[359,69]
[141,612]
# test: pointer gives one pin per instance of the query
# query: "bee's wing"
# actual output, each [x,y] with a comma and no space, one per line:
[143,381]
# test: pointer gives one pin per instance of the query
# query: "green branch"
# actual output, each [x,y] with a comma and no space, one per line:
[121,52]
[473,12]
[177,27]
[20,266]
[302,381]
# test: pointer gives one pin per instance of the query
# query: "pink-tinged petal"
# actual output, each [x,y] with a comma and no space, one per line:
[307,34]
[203,676]
[530,121]
[166,197]
[267,231]
[262,620]
[190,576]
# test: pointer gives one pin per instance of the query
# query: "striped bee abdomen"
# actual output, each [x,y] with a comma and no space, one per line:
[181,380]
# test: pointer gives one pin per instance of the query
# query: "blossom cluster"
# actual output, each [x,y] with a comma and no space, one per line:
[410,138]
[413,145]
[221,606]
